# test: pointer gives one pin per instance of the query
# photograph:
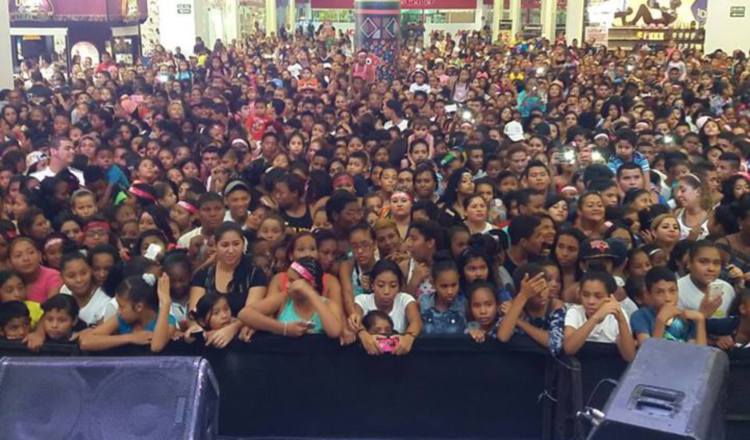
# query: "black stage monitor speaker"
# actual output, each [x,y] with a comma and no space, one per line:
[103,398]
[671,391]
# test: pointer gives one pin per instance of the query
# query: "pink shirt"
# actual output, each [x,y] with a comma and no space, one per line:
[47,280]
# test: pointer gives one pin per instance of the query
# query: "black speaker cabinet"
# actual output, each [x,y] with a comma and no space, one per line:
[671,391]
[102,398]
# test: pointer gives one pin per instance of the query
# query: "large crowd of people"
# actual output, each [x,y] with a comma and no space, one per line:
[568,193]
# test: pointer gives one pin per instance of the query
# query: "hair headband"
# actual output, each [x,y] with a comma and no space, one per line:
[303,272]
[654,252]
[189,207]
[693,176]
[141,193]
[52,242]
[343,180]
[96,224]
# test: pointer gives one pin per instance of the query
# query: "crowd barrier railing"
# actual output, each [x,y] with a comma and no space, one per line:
[447,387]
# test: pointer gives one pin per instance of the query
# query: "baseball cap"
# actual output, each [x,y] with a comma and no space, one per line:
[595,249]
[514,131]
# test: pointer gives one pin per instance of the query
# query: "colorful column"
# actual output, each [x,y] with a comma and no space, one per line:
[377,29]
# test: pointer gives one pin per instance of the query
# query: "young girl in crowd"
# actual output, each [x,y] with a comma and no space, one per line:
[443,312]
[102,259]
[25,258]
[94,305]
[354,273]
[12,288]
[142,316]
[378,323]
[483,311]
[300,308]
[599,318]
[211,313]
[701,289]
[387,281]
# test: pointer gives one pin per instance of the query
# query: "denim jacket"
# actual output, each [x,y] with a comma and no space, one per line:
[435,322]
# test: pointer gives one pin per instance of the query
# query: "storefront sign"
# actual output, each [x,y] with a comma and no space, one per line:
[737,11]
[596,35]
[405,4]
[184,8]
[56,11]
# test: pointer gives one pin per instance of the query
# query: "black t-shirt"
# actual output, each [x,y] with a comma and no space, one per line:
[298,223]
[246,276]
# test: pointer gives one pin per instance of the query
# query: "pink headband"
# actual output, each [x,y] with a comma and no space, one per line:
[95,224]
[52,242]
[343,180]
[141,193]
[187,207]
[303,272]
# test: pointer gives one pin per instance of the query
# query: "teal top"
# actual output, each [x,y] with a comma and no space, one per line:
[289,314]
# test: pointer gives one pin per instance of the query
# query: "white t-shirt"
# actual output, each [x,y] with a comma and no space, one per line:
[414,87]
[397,313]
[295,69]
[47,172]
[100,307]
[690,296]
[403,125]
[605,331]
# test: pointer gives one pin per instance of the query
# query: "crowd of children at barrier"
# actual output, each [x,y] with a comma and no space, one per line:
[567,193]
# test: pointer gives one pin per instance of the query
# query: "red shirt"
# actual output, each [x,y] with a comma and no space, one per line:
[256,125]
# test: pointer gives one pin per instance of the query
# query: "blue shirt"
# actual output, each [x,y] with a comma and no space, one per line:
[527,104]
[435,322]
[644,319]
[116,177]
[553,322]
[615,162]
[124,328]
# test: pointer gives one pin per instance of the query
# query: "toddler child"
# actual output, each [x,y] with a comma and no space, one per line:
[15,321]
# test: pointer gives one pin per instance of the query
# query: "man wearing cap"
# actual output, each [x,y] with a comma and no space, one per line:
[514,131]
[609,256]
[237,197]
[62,152]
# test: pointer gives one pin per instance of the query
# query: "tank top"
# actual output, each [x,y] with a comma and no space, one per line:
[289,314]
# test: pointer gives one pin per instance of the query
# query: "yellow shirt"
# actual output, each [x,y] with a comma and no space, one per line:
[35,311]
